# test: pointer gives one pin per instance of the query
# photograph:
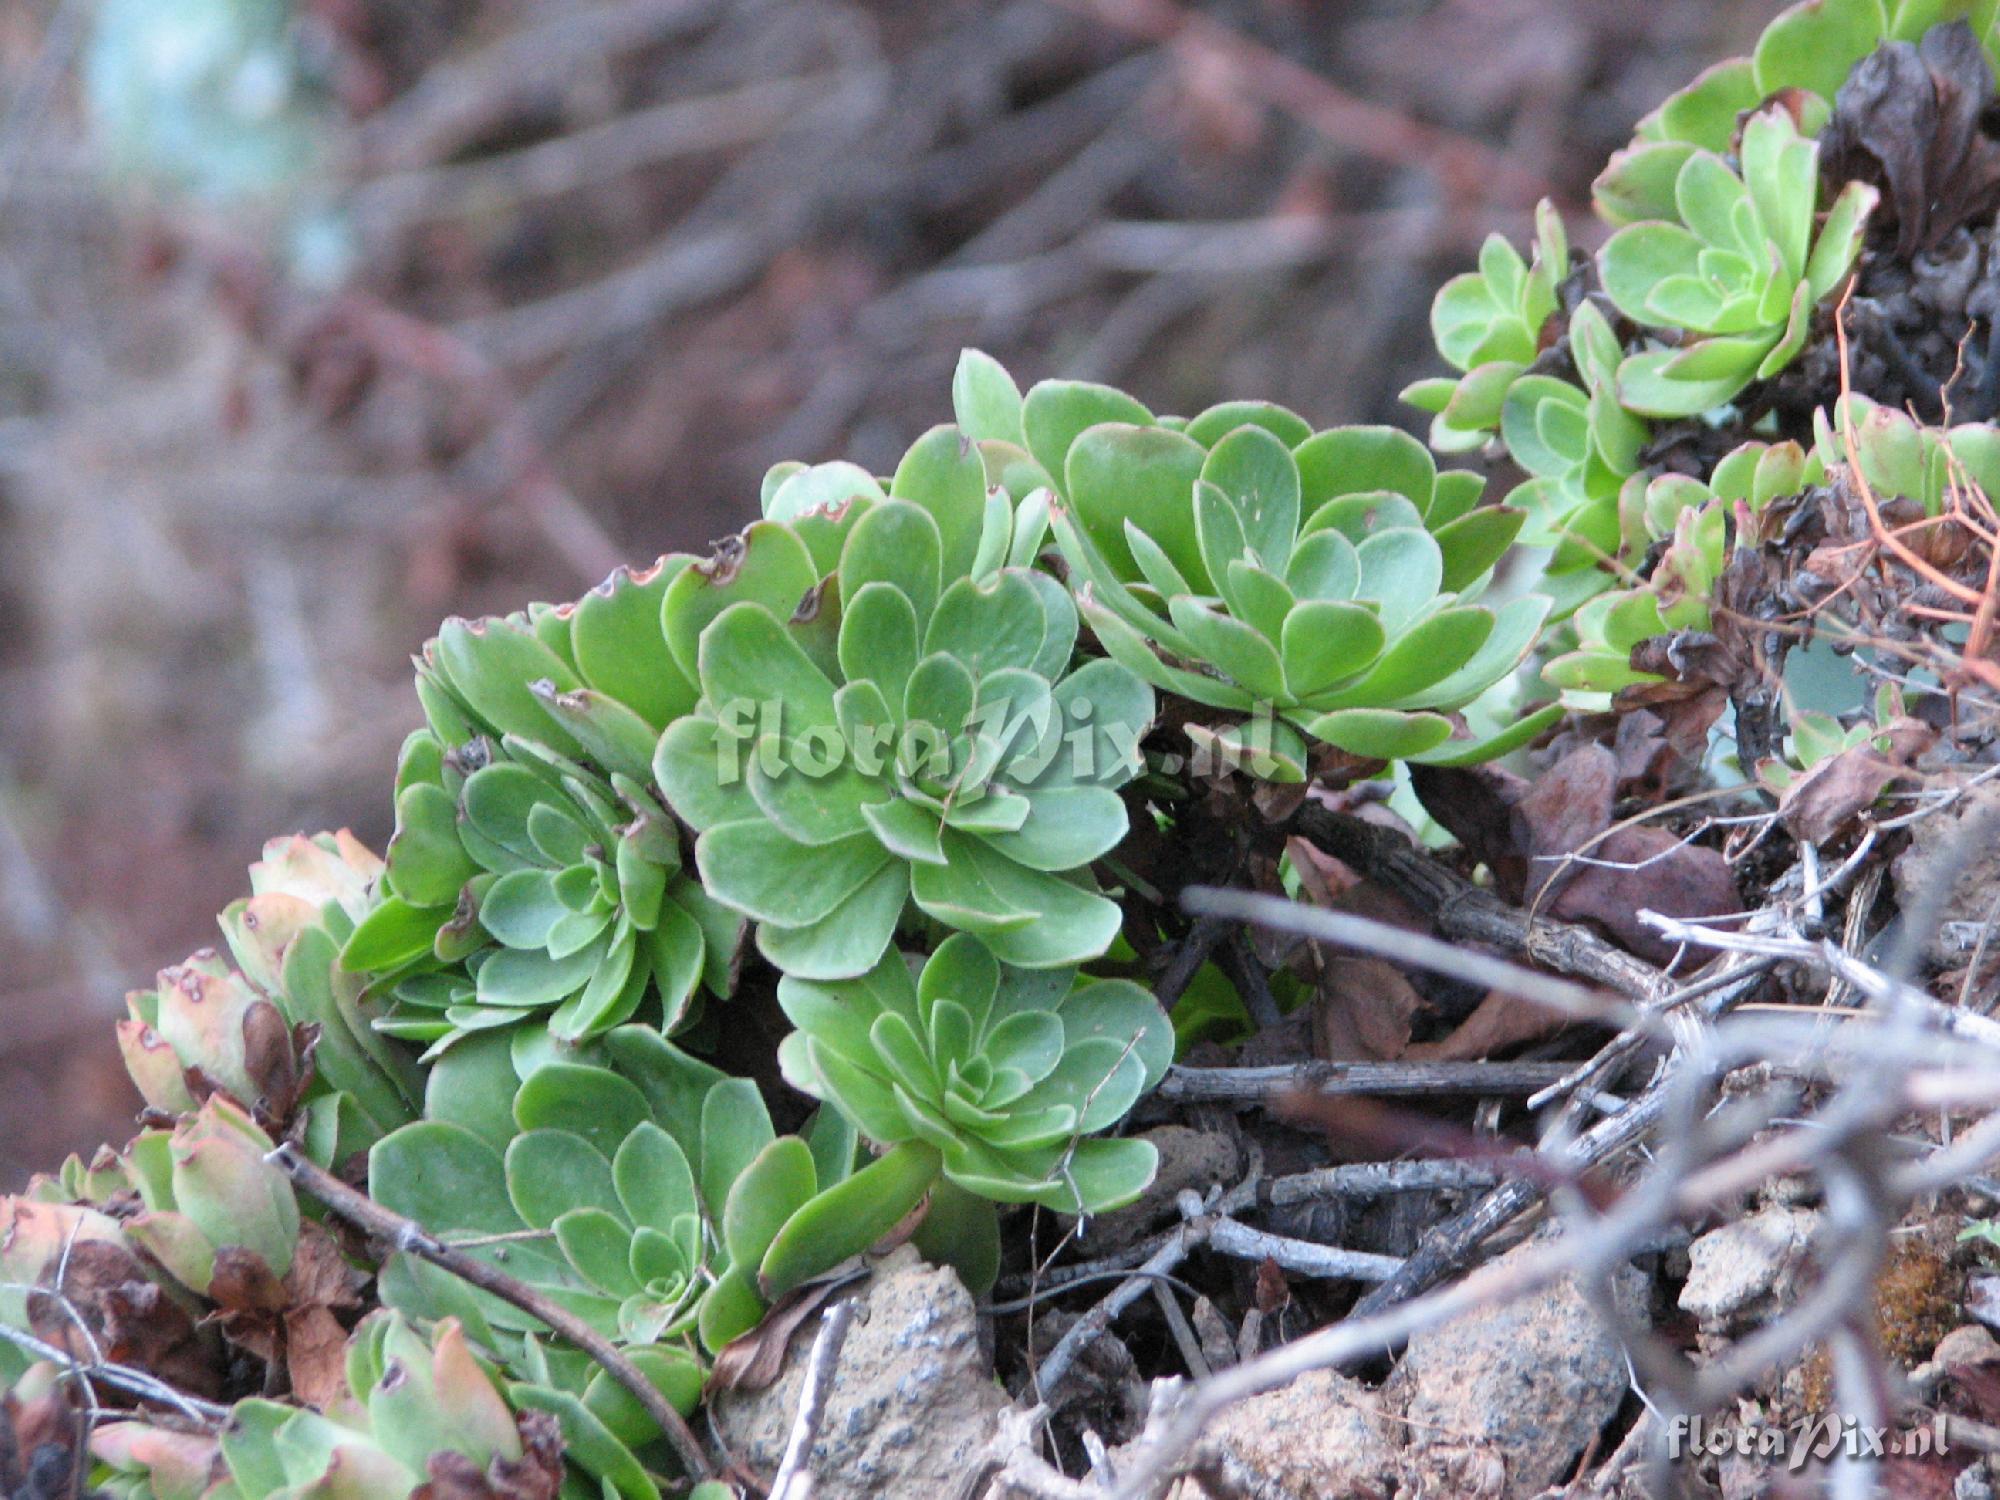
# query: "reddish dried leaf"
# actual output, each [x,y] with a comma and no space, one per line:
[1273,1293]
[271,1063]
[1920,1478]
[243,1283]
[132,1320]
[315,1356]
[1362,1010]
[1567,812]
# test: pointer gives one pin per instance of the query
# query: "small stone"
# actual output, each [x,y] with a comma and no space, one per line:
[913,1401]
[1982,1299]
[1322,1437]
[1743,1270]
[1519,1387]
[1966,1345]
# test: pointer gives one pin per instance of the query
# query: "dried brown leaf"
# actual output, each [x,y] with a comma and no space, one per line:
[1842,787]
[1616,872]
[751,1361]
[1363,1009]
[1502,1020]
[1909,120]
[536,1475]
[131,1318]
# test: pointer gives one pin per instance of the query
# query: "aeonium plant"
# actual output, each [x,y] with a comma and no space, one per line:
[644,1190]
[1735,271]
[206,1028]
[534,875]
[1900,458]
[1490,325]
[416,1410]
[1010,1075]
[1693,525]
[1803,56]
[894,735]
[1580,446]
[1324,590]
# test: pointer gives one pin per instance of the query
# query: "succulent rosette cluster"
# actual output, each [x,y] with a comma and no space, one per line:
[1323,582]
[907,730]
[1011,1074]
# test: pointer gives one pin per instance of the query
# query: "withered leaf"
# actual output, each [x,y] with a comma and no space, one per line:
[131,1318]
[1476,806]
[1841,787]
[1569,811]
[1273,1293]
[536,1475]
[1909,120]
[751,1361]
[1362,1010]
[1502,1020]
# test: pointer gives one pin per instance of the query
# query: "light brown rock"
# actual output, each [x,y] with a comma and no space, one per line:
[1511,1393]
[1323,1437]
[1744,1271]
[912,1406]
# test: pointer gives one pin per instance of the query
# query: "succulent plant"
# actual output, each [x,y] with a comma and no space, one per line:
[206,1028]
[211,1201]
[419,1411]
[1901,458]
[1802,58]
[152,1256]
[1579,445]
[1696,522]
[1489,325]
[306,895]
[1323,589]
[898,730]
[1737,266]
[651,1196]
[533,874]
[1010,1074]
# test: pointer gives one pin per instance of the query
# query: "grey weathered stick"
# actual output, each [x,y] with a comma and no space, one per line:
[1358,1180]
[390,1227]
[1463,910]
[1378,1179]
[119,1377]
[1378,1078]
[1301,1257]
[1094,1323]
[793,1481]
[1366,935]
